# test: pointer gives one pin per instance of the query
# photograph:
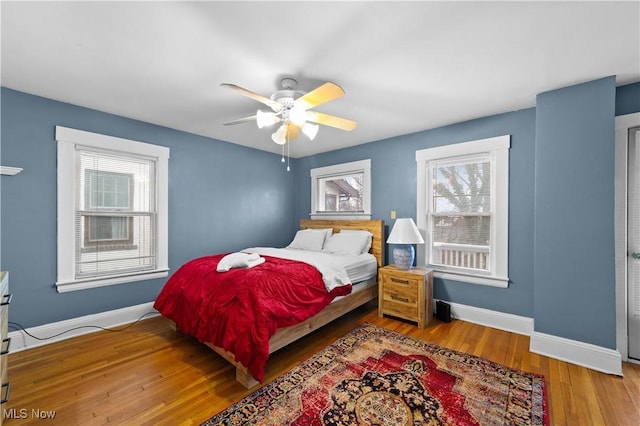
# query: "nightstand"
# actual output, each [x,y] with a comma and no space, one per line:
[406,294]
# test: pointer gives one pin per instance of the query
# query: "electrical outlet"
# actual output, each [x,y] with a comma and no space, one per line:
[393,214]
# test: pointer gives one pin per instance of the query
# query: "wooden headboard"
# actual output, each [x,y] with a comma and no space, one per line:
[376,227]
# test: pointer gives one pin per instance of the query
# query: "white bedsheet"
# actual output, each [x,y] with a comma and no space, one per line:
[336,270]
[360,267]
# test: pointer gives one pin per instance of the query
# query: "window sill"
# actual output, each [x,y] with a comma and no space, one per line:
[492,281]
[74,285]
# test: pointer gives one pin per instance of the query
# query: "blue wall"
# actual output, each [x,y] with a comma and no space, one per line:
[628,99]
[222,197]
[574,271]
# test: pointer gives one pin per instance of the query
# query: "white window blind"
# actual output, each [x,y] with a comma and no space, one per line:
[460,218]
[115,220]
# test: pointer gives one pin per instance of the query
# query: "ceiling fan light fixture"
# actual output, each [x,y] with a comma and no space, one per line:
[297,116]
[310,130]
[311,116]
[292,109]
[279,136]
[265,119]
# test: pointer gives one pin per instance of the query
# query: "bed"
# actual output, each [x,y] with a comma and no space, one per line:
[338,296]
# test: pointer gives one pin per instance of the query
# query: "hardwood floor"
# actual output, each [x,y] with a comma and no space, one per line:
[150,375]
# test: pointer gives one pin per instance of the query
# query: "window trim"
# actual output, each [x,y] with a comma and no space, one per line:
[362,166]
[67,139]
[498,148]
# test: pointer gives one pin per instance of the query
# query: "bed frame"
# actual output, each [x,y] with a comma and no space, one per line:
[290,334]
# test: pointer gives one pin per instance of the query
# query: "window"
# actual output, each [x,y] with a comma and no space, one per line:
[112,210]
[462,207]
[341,191]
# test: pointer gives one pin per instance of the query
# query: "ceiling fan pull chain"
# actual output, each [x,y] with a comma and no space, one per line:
[288,168]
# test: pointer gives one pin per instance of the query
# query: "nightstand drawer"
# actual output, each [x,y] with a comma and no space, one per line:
[401,285]
[400,306]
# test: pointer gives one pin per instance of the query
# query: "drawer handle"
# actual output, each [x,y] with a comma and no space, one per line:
[6,350]
[6,299]
[400,298]
[7,387]
[399,281]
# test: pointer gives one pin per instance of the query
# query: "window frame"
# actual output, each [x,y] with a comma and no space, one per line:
[497,148]
[337,170]
[67,140]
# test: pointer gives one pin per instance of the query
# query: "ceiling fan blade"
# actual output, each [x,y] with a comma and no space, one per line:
[331,120]
[292,131]
[241,120]
[320,95]
[274,105]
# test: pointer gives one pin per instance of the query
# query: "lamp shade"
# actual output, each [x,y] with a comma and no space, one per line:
[279,136]
[264,119]
[311,130]
[297,115]
[405,231]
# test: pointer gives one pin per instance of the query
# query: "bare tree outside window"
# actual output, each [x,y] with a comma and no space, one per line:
[462,213]
[343,193]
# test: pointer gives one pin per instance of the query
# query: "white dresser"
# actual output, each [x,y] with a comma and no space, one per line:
[5,300]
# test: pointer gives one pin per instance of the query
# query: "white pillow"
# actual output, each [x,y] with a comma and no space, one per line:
[347,243]
[368,236]
[308,239]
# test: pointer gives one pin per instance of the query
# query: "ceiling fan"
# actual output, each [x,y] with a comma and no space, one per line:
[292,108]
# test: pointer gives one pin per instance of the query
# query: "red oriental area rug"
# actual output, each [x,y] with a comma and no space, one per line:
[374,376]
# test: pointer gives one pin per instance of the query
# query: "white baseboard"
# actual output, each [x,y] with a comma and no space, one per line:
[67,329]
[494,319]
[579,353]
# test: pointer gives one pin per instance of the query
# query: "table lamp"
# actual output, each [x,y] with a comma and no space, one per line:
[404,235]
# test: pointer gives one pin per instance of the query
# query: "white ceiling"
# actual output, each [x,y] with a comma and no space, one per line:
[405,66]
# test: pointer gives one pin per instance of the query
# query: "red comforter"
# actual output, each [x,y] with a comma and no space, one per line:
[241,309]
